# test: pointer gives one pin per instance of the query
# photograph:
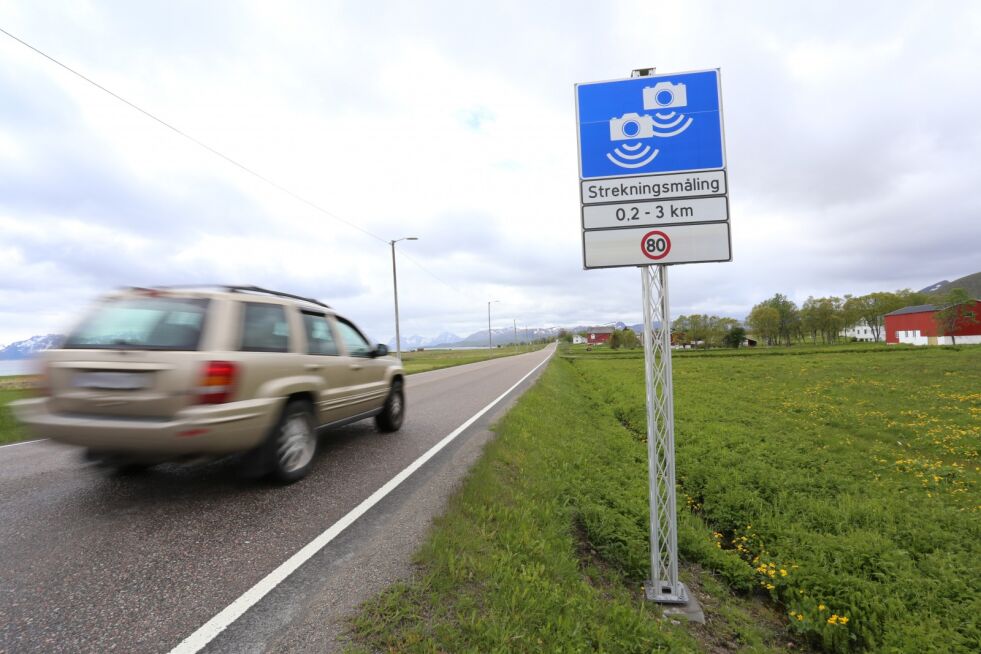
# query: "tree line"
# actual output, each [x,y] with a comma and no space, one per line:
[778,320]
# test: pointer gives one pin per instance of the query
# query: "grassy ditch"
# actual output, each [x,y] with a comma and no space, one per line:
[830,502]
[543,549]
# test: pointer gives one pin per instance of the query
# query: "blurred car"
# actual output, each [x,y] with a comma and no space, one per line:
[160,374]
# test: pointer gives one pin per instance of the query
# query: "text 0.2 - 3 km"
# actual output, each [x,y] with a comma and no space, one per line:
[655,212]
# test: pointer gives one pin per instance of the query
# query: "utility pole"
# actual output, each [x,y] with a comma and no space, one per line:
[490,341]
[515,320]
[395,285]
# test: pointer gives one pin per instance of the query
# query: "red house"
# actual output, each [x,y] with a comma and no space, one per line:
[598,335]
[918,325]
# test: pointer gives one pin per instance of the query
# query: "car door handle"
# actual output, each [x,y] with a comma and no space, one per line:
[313,366]
[355,366]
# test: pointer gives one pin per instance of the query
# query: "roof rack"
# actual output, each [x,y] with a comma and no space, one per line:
[257,289]
[238,289]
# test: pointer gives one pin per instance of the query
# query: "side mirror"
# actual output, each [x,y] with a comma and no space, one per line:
[380,350]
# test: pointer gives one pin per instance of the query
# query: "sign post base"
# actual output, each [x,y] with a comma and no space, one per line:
[664,593]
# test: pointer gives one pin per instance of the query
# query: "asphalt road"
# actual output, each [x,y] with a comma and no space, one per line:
[93,562]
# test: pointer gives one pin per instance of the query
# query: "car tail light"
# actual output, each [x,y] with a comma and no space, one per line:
[217,383]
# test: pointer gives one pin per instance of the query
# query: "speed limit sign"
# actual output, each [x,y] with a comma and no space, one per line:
[655,245]
[667,245]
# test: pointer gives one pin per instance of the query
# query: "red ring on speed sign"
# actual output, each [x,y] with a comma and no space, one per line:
[657,254]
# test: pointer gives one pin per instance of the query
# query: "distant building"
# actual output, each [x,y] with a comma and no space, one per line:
[859,332]
[917,325]
[599,335]
[578,340]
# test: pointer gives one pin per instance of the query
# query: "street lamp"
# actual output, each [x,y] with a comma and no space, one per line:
[490,343]
[395,285]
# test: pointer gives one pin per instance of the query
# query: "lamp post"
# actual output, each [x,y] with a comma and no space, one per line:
[395,285]
[490,342]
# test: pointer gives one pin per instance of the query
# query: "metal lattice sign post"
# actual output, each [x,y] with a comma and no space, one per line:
[663,585]
[654,193]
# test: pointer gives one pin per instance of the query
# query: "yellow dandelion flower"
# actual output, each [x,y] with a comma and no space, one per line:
[821,607]
[783,573]
[843,620]
[833,619]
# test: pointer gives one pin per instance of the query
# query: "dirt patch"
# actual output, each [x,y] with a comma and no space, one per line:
[733,621]
[18,383]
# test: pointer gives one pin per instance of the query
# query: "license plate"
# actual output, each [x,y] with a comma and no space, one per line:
[114,381]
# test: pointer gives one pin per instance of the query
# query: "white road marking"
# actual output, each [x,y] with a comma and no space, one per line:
[213,627]
[36,440]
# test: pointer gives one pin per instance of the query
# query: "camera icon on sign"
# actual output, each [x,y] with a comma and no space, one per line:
[665,95]
[631,126]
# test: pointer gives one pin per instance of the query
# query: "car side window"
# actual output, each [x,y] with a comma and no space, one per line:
[264,328]
[320,340]
[356,344]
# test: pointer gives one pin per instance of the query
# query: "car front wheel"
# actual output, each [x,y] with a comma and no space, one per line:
[390,419]
[293,443]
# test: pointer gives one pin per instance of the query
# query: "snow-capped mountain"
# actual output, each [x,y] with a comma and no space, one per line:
[506,336]
[26,349]
[444,338]
[935,288]
[415,341]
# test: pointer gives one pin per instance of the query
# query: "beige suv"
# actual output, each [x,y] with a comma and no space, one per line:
[170,373]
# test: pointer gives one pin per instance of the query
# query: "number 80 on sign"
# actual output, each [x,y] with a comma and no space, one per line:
[655,245]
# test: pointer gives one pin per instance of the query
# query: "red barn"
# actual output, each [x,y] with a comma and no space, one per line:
[918,325]
[598,335]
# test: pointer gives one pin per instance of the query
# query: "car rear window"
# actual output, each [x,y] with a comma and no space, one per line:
[142,323]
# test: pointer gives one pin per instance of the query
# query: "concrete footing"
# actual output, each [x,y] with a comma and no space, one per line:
[687,607]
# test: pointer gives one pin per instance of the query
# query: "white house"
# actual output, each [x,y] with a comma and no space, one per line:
[578,340]
[859,331]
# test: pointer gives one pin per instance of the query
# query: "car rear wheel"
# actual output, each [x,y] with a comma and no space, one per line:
[293,443]
[390,419]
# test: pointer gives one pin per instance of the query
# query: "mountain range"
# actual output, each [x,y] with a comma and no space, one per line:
[503,336]
[506,336]
[26,349]
[970,283]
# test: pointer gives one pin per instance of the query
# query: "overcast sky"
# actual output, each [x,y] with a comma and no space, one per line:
[852,138]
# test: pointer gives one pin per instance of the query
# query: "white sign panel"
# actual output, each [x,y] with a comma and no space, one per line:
[655,212]
[653,187]
[669,244]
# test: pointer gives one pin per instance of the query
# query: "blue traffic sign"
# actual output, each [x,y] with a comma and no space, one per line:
[644,125]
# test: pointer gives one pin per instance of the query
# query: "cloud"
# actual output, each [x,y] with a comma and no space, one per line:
[850,145]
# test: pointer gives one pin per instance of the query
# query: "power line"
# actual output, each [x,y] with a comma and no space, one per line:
[434,275]
[220,154]
[196,141]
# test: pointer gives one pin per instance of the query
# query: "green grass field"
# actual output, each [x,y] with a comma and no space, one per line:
[10,431]
[828,500]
